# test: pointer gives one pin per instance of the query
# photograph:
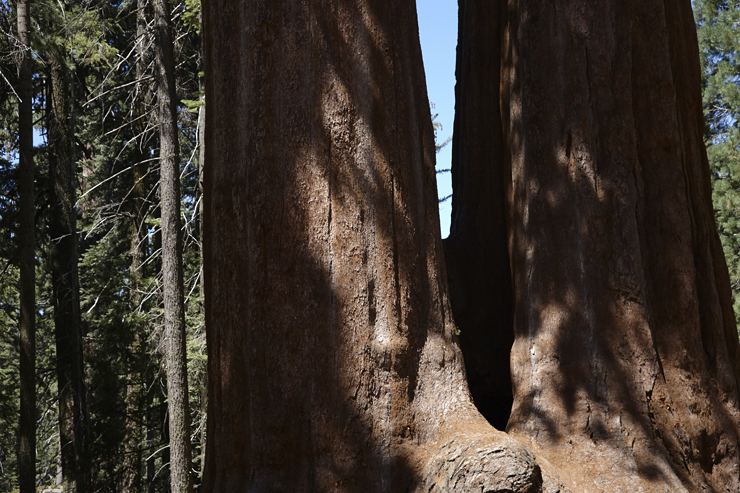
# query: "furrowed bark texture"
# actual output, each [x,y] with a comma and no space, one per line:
[333,364]
[66,289]
[625,361]
[26,233]
[476,251]
[172,275]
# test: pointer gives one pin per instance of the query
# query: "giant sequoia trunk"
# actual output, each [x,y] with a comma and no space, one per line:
[333,361]
[626,360]
[332,354]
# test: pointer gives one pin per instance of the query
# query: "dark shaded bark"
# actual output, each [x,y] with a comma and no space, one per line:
[26,234]
[476,251]
[626,357]
[135,400]
[138,194]
[151,426]
[333,360]
[172,273]
[66,291]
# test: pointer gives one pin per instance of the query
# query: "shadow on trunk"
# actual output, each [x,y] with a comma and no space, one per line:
[333,361]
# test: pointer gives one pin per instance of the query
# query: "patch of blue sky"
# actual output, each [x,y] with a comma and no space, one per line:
[438,34]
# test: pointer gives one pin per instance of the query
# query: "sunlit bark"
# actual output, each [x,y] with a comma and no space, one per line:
[333,359]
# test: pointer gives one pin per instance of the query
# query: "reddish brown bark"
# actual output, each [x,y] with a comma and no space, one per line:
[333,362]
[625,363]
[332,354]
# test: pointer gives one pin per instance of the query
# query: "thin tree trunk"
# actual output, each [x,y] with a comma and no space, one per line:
[201,287]
[333,360]
[165,457]
[626,356]
[26,233]
[134,389]
[138,351]
[151,427]
[139,231]
[174,312]
[63,231]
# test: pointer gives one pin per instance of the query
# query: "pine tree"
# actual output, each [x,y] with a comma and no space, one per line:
[102,65]
[26,230]
[172,269]
[718,22]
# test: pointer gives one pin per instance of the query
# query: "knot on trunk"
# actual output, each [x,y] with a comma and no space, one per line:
[487,461]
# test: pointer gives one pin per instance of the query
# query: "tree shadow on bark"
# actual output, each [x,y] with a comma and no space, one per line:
[333,364]
[625,362]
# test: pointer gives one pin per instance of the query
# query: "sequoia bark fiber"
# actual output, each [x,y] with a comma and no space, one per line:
[626,357]
[333,360]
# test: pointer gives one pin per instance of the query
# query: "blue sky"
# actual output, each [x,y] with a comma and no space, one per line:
[438,33]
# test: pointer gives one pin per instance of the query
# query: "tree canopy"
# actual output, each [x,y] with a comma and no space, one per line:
[719,46]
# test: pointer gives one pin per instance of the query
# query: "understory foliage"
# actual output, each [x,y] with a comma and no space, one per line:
[112,109]
[718,24]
